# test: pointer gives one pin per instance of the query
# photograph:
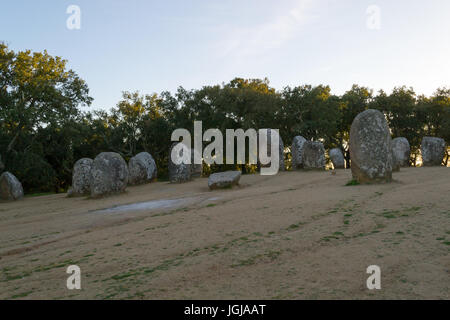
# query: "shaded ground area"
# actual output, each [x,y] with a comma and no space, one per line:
[297,235]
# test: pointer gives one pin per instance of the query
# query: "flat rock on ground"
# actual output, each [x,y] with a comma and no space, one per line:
[222,180]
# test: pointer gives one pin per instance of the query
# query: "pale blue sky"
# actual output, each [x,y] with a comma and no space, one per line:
[153,46]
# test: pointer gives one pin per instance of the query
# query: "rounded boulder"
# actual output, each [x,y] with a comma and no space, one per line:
[10,187]
[142,169]
[433,151]
[109,174]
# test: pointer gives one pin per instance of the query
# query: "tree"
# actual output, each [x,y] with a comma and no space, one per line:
[36,91]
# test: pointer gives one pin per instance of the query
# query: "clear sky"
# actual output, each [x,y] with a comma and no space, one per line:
[153,46]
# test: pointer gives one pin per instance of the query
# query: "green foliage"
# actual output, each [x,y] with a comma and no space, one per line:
[352,183]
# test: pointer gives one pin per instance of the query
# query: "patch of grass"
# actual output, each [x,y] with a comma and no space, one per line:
[124,275]
[33,195]
[165,265]
[352,182]
[211,205]
[118,245]
[294,227]
[22,295]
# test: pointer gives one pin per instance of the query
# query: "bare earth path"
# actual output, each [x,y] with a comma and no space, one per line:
[297,235]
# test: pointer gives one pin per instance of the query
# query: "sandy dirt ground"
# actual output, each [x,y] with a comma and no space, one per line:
[297,235]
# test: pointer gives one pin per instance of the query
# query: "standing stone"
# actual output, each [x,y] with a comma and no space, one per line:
[224,179]
[181,172]
[142,169]
[433,151]
[401,151]
[337,158]
[370,148]
[81,178]
[313,155]
[10,188]
[395,162]
[109,174]
[197,169]
[296,152]
[269,151]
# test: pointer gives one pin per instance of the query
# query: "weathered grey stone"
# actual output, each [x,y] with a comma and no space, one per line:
[401,151]
[395,162]
[313,155]
[81,178]
[337,158]
[109,174]
[142,169]
[296,152]
[181,172]
[71,193]
[433,151]
[10,188]
[197,169]
[370,148]
[224,179]
[282,166]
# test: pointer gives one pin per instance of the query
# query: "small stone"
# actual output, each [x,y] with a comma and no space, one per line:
[337,158]
[179,172]
[10,188]
[313,155]
[433,151]
[401,151]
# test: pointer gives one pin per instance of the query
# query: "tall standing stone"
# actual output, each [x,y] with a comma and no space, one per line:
[401,151]
[81,177]
[197,169]
[370,148]
[395,162]
[142,169]
[109,174]
[433,151]
[281,166]
[179,171]
[10,188]
[296,152]
[337,158]
[313,155]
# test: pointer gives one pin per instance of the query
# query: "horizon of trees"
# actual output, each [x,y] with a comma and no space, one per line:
[43,130]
